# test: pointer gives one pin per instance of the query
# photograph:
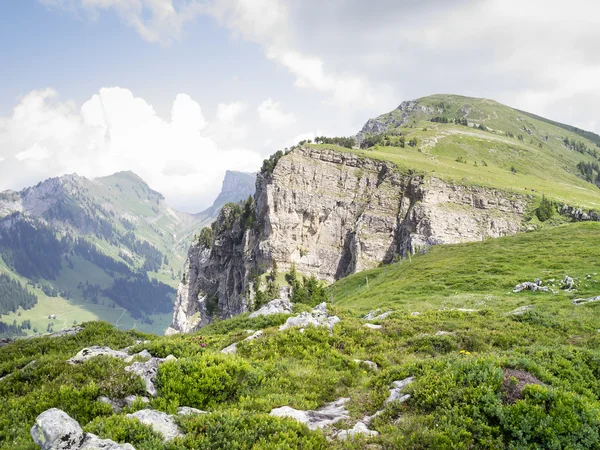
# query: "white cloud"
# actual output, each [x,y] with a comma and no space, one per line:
[116,131]
[270,113]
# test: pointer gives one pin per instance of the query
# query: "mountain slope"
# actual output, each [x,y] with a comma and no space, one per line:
[89,250]
[438,170]
[498,146]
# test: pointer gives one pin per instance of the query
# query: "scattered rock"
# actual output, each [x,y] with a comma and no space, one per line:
[92,352]
[277,306]
[371,364]
[582,301]
[514,383]
[359,428]
[396,391]
[568,283]
[416,313]
[147,371]
[143,354]
[233,347]
[521,310]
[130,399]
[186,411]
[375,315]
[528,285]
[442,333]
[319,418]
[93,442]
[116,405]
[372,326]
[318,318]
[56,430]
[159,421]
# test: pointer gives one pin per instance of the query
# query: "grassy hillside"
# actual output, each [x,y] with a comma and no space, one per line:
[515,151]
[484,378]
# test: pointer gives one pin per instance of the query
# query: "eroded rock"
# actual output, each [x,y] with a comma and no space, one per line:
[56,430]
[277,306]
[318,318]
[159,421]
[328,414]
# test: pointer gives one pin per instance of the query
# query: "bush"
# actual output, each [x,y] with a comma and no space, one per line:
[545,210]
[235,430]
[202,382]
[123,429]
[206,236]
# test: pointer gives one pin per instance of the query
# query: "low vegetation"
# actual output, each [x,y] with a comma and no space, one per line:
[484,377]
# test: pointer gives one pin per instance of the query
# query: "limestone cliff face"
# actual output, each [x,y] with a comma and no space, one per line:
[334,213]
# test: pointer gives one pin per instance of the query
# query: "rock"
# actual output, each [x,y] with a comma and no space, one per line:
[359,428]
[521,310]
[536,286]
[186,411]
[169,358]
[116,405]
[372,326]
[371,364]
[143,354]
[374,315]
[130,399]
[65,332]
[442,333]
[328,414]
[93,442]
[416,313]
[56,430]
[159,421]
[318,318]
[325,232]
[568,283]
[233,347]
[277,306]
[170,331]
[146,371]
[92,352]
[396,391]
[582,301]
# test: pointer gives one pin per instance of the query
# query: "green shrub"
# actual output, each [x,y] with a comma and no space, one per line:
[235,430]
[202,382]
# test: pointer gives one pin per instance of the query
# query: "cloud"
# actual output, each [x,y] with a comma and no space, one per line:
[113,131]
[155,20]
[270,113]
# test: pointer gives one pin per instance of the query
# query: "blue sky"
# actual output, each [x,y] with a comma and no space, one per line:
[181,90]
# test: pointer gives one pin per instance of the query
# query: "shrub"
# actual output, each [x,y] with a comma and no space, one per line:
[235,430]
[202,382]
[123,429]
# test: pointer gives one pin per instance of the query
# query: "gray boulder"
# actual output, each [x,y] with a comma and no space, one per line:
[318,318]
[329,414]
[582,301]
[186,411]
[370,364]
[529,286]
[277,306]
[359,429]
[145,354]
[56,430]
[147,371]
[159,421]
[568,283]
[396,390]
[93,442]
[377,315]
[372,326]
[92,352]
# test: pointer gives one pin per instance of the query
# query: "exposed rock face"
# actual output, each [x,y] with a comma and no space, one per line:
[333,214]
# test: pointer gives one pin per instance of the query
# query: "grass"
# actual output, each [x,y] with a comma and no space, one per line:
[458,399]
[543,164]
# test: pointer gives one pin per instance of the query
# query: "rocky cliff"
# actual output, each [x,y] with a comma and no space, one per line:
[333,213]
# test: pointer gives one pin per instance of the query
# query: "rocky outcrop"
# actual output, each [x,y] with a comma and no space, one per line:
[331,214]
[56,430]
[159,421]
[317,318]
[277,306]
[327,415]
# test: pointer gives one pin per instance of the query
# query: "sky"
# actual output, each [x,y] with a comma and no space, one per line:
[179,91]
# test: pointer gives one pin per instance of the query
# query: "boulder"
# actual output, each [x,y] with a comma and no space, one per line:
[93,442]
[186,411]
[318,318]
[582,301]
[159,421]
[372,326]
[130,399]
[396,390]
[370,364]
[328,414]
[147,371]
[92,352]
[529,286]
[143,354]
[56,430]
[359,428]
[277,306]
[568,283]
[521,310]
[377,315]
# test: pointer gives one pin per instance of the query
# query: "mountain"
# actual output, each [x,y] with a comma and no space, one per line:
[102,249]
[237,186]
[439,170]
